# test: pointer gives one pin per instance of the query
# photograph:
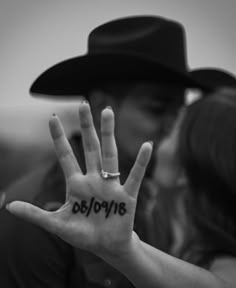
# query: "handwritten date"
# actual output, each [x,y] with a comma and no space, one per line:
[85,207]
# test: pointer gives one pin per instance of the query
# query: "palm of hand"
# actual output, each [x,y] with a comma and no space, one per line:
[99,213]
[92,220]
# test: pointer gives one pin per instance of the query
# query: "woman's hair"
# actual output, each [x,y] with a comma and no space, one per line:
[207,151]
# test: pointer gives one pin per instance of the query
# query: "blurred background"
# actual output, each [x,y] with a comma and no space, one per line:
[37,34]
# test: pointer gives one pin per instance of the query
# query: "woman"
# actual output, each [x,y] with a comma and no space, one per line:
[99,212]
[199,158]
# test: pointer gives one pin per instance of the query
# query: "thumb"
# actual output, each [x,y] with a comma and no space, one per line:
[33,214]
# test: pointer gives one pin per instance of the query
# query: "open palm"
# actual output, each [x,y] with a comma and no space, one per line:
[99,212]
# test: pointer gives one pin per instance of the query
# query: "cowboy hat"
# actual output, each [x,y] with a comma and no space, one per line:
[138,48]
[215,77]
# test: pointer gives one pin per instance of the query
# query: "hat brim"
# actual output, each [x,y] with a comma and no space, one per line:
[216,77]
[76,76]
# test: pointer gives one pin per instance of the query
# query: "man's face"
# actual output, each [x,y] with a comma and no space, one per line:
[146,113]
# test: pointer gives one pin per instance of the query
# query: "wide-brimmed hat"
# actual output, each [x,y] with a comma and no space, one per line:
[138,48]
[215,77]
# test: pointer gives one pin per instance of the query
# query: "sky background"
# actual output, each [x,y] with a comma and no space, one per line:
[37,34]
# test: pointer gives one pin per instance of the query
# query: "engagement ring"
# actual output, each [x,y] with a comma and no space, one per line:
[107,175]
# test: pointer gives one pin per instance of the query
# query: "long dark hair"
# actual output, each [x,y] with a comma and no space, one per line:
[207,151]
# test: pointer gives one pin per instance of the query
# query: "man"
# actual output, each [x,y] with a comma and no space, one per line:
[137,66]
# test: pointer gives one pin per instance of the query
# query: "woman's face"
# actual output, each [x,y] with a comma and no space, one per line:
[168,172]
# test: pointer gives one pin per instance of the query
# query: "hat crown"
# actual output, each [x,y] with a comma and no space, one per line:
[136,48]
[150,37]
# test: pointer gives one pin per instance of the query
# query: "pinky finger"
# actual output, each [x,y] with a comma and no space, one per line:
[33,214]
[63,149]
[136,175]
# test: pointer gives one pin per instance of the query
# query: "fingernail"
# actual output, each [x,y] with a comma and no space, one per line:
[108,107]
[151,142]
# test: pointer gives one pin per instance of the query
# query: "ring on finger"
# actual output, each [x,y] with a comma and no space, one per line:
[108,175]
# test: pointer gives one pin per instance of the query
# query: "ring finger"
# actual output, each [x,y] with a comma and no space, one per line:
[109,149]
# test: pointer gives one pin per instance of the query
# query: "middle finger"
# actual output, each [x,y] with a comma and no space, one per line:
[91,142]
[109,149]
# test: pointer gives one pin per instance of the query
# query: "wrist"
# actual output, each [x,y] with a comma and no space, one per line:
[125,255]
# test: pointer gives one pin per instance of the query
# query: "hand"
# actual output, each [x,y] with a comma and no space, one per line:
[99,213]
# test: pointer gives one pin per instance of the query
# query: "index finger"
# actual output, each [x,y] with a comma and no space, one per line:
[109,149]
[136,175]
[90,139]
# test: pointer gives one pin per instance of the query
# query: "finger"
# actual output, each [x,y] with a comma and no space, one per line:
[63,149]
[136,175]
[109,149]
[91,142]
[33,214]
